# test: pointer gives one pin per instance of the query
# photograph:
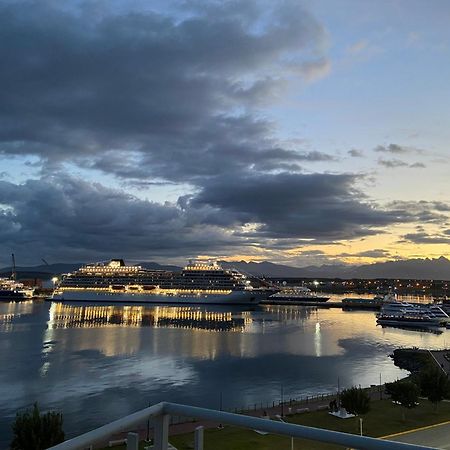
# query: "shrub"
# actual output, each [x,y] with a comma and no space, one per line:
[355,401]
[35,431]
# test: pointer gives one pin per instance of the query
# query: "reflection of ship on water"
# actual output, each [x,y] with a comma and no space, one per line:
[12,311]
[215,319]
[289,312]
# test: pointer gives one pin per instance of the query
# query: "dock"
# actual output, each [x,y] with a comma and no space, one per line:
[302,303]
[354,307]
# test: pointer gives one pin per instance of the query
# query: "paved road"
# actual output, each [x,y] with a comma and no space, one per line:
[441,361]
[437,436]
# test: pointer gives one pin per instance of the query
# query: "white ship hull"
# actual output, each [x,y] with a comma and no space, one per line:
[244,297]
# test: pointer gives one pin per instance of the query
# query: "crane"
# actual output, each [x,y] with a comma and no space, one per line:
[13,273]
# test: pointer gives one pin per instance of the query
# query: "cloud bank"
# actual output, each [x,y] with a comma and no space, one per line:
[175,95]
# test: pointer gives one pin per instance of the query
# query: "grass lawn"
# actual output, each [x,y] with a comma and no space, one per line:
[383,419]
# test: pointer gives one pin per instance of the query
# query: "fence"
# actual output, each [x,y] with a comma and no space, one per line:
[161,413]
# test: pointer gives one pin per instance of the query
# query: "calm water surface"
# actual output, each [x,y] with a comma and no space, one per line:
[97,363]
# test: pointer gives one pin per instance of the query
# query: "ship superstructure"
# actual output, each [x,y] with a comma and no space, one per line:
[13,290]
[205,283]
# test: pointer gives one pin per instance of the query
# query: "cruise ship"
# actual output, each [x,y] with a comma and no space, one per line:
[197,283]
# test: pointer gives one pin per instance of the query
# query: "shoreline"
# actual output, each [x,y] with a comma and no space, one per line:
[410,359]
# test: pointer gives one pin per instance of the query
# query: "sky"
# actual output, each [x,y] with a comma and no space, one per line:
[298,132]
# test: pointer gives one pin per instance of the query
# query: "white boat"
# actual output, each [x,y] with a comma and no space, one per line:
[12,290]
[197,283]
[369,303]
[297,293]
[412,314]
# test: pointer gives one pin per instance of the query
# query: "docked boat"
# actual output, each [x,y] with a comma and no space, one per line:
[368,303]
[407,320]
[412,315]
[297,294]
[443,303]
[436,311]
[197,283]
[11,290]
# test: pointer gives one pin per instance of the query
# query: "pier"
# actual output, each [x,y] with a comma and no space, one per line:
[303,303]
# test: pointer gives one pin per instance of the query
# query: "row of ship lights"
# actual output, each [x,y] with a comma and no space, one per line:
[133,315]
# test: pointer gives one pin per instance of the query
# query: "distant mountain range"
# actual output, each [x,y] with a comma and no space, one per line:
[430,269]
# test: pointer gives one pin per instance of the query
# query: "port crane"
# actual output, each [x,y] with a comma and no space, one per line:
[13,272]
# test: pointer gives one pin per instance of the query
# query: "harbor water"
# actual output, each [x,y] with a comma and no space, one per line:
[96,363]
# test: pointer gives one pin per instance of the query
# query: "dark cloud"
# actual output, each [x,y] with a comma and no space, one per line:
[312,253]
[394,163]
[375,253]
[68,218]
[312,206]
[144,94]
[427,238]
[393,148]
[424,211]
[175,97]
[354,153]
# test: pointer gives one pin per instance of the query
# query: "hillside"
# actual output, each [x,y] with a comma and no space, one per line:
[430,269]
[434,269]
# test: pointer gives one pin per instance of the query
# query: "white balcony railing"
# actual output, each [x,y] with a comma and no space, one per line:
[160,414]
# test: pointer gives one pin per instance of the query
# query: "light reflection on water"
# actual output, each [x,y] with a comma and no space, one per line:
[96,363]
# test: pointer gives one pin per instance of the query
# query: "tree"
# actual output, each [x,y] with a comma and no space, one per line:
[434,384]
[355,401]
[35,431]
[404,392]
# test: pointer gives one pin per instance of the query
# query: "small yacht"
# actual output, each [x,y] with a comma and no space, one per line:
[298,294]
[12,290]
